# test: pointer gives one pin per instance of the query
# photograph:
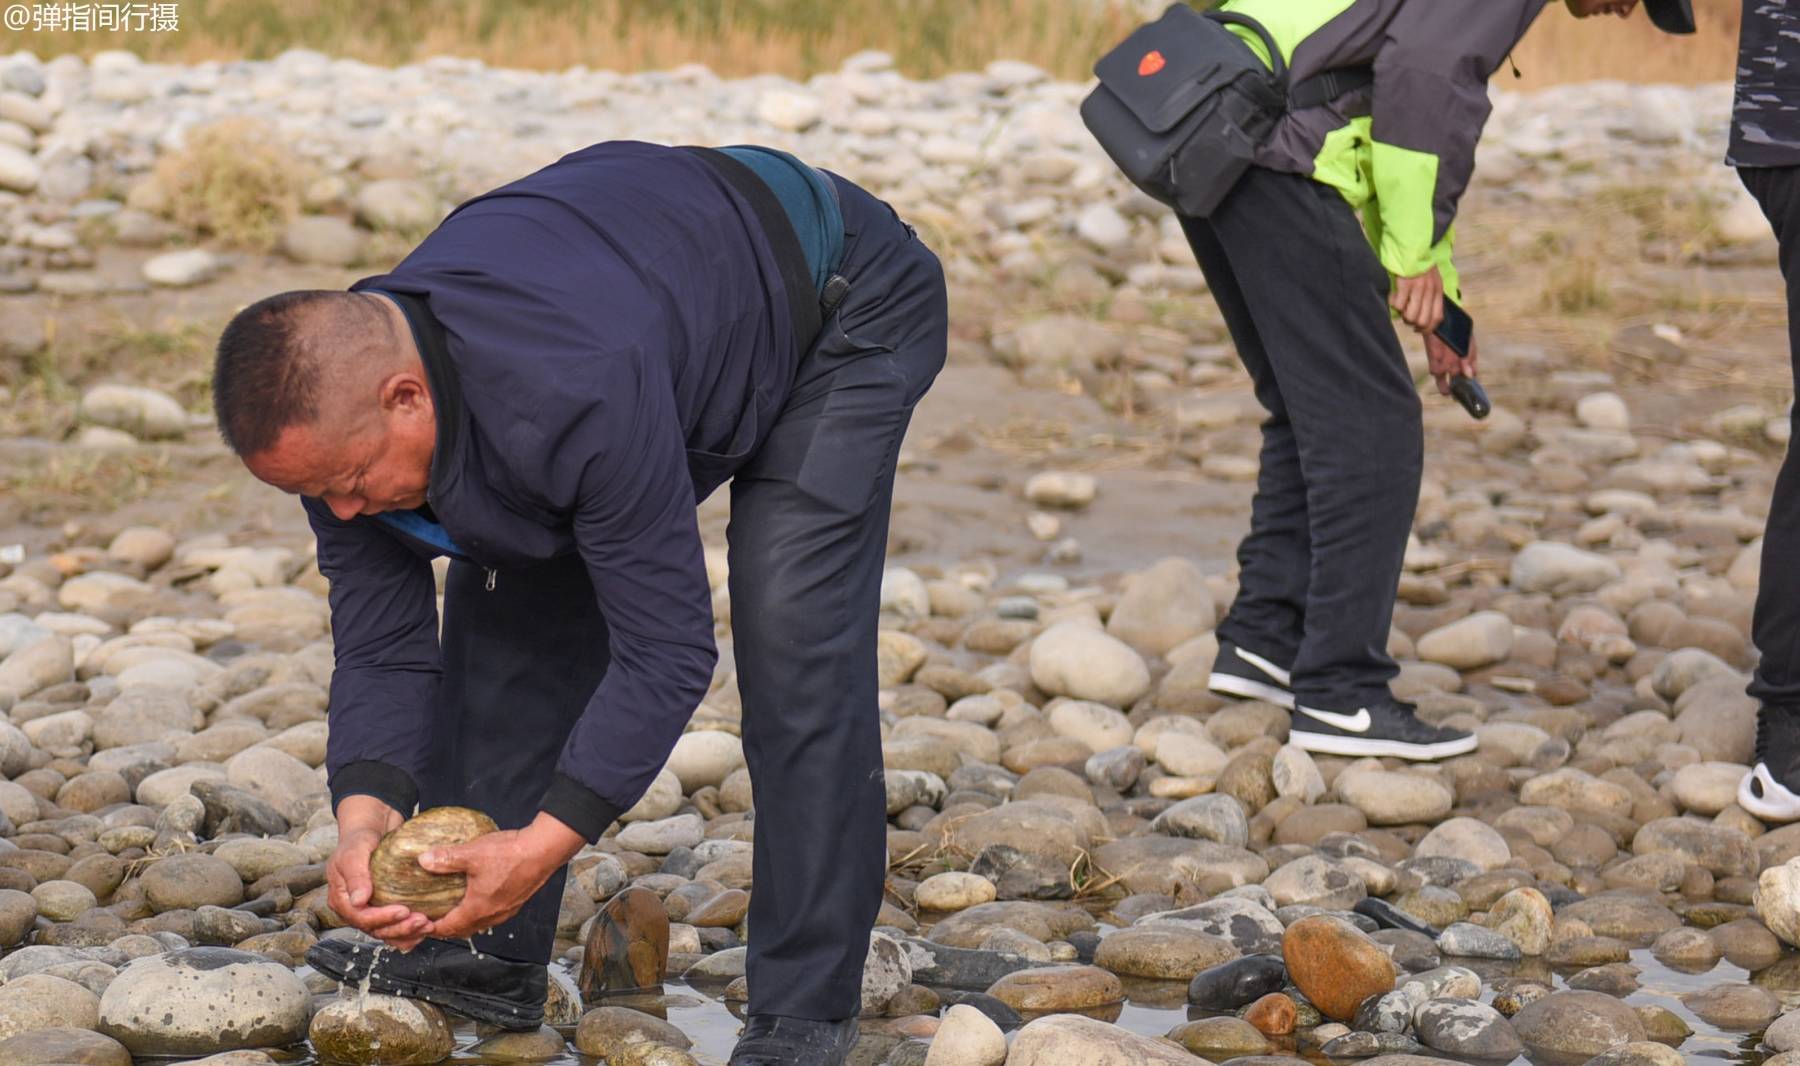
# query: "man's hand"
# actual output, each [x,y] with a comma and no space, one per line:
[1420,300]
[362,822]
[1445,364]
[503,869]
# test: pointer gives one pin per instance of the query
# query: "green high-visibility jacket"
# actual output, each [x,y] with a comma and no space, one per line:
[1401,151]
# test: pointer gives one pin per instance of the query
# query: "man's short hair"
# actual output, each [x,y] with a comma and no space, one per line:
[267,374]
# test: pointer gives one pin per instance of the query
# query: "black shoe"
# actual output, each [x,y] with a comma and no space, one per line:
[1389,727]
[1246,675]
[1769,790]
[770,1040]
[497,991]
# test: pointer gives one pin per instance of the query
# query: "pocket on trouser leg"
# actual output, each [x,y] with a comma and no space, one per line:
[852,447]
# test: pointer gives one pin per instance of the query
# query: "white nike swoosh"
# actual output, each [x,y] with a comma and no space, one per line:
[1350,723]
[1265,666]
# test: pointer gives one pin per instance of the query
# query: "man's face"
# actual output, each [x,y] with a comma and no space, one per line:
[379,462]
[1583,8]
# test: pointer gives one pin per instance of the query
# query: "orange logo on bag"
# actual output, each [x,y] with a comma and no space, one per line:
[1151,63]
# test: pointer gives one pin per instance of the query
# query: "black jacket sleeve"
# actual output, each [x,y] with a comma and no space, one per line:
[635,527]
[384,631]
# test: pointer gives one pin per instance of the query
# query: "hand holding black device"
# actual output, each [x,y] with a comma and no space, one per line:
[1457,330]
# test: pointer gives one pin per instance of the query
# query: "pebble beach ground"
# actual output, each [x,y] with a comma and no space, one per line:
[1093,859]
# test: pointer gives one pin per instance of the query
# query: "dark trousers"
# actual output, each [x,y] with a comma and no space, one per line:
[1305,300]
[1776,628]
[807,542]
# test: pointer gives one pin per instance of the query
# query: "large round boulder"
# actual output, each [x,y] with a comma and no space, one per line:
[201,1001]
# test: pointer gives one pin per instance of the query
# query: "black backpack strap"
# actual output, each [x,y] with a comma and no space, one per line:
[1321,88]
[1277,62]
[790,258]
[1328,85]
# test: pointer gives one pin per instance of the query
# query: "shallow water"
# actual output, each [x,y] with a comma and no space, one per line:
[703,1016]
[1146,1010]
[1154,1007]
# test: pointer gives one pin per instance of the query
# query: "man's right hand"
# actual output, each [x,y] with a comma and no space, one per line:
[1419,300]
[1445,363]
[362,822]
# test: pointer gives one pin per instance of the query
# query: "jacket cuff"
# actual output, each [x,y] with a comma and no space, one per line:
[578,807]
[386,782]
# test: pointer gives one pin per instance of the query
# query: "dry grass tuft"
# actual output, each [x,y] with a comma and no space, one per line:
[233,182]
[1574,284]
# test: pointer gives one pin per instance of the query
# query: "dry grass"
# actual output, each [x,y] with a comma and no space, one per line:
[1684,222]
[800,37]
[231,181]
[1625,224]
[1589,282]
[66,482]
[1561,49]
[1574,284]
[1575,264]
[172,355]
[733,37]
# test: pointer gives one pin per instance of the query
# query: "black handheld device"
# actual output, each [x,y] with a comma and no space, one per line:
[1457,330]
[1469,393]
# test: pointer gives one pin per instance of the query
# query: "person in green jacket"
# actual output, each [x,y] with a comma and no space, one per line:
[1347,215]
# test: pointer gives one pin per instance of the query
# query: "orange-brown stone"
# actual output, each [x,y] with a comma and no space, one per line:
[628,948]
[1273,1015]
[1334,965]
[722,911]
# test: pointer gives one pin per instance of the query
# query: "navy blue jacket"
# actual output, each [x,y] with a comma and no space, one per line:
[616,341]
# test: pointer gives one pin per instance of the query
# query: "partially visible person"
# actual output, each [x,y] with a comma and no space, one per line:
[1347,215]
[1765,149]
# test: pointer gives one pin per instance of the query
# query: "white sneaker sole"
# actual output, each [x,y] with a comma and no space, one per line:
[1357,747]
[1776,804]
[1245,688]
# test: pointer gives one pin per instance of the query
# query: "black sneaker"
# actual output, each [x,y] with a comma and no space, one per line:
[1246,675]
[1769,790]
[489,989]
[1388,728]
[771,1040]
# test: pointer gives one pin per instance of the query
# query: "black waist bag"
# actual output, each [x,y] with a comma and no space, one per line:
[1184,103]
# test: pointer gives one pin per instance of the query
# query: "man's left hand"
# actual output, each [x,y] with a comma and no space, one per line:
[503,869]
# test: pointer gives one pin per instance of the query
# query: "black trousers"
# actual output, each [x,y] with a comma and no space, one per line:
[807,543]
[1305,300]
[1776,626]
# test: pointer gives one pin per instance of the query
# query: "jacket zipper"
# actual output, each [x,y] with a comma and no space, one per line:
[488,570]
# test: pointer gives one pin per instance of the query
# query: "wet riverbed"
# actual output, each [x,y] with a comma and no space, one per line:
[1155,1007]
